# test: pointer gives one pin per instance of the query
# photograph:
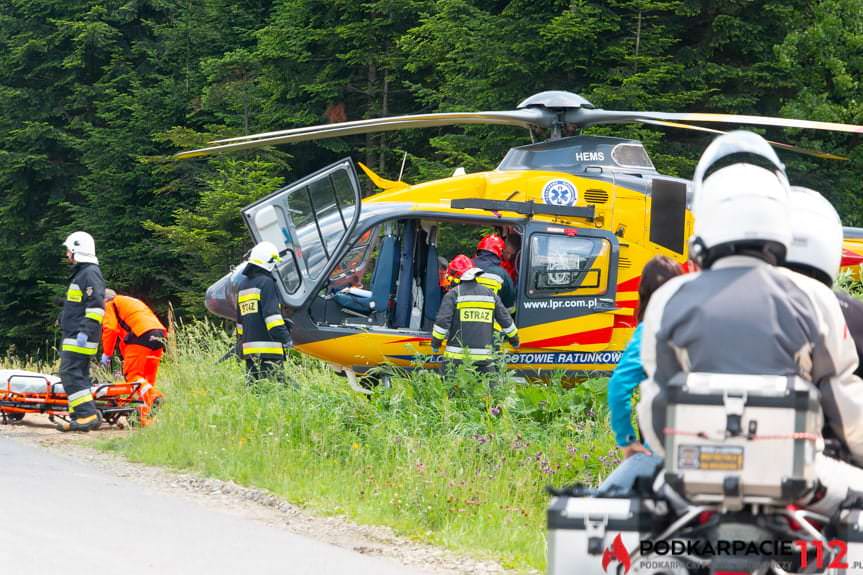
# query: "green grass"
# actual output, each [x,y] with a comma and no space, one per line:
[446,462]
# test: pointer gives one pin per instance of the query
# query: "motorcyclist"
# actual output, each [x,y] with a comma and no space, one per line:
[743,314]
[816,251]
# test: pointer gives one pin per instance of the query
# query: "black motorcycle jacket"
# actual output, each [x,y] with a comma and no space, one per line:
[852,309]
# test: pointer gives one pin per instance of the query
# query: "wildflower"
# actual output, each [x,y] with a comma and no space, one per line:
[495,411]
[355,445]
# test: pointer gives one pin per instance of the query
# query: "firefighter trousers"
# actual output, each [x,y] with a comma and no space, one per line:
[75,376]
[451,366]
[258,369]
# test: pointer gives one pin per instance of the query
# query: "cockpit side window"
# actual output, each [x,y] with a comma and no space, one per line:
[568,265]
[321,214]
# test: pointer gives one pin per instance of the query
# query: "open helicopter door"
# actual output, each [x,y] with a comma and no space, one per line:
[309,221]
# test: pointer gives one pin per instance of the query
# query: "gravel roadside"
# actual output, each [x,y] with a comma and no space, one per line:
[257,504]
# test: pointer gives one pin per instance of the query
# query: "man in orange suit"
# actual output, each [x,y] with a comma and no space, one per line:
[129,322]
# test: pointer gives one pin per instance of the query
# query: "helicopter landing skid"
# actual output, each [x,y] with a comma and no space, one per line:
[351,376]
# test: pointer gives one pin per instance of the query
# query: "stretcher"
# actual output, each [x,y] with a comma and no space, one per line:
[23,392]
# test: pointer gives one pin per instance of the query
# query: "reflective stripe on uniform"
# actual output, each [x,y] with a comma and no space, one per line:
[439,332]
[74,293]
[263,347]
[475,304]
[491,284]
[71,344]
[239,329]
[472,352]
[464,298]
[249,295]
[144,390]
[79,397]
[510,331]
[274,320]
[97,314]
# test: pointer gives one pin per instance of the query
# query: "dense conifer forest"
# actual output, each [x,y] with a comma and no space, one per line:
[95,97]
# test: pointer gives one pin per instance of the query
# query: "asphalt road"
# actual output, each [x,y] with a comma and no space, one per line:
[57,515]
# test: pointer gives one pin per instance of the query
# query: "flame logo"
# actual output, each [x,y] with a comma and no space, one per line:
[617,552]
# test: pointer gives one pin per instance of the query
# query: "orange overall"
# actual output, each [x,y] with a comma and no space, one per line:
[141,336]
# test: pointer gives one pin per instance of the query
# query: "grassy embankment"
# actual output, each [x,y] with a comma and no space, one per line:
[445,462]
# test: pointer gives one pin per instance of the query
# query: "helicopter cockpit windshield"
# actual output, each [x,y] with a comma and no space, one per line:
[577,153]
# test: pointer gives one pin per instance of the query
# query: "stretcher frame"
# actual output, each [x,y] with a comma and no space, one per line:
[114,400]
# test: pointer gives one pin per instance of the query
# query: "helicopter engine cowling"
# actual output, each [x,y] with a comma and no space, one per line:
[221,297]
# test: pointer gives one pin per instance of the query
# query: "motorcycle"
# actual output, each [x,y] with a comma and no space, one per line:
[725,501]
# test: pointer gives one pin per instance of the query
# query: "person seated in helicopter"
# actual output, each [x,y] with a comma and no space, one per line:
[489,252]
[510,257]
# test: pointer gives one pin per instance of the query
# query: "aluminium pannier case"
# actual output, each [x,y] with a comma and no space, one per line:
[596,535]
[741,438]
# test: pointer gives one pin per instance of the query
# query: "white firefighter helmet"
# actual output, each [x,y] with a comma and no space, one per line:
[746,201]
[264,255]
[82,246]
[816,233]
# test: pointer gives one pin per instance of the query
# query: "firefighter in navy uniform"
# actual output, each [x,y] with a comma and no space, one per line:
[81,327]
[489,252]
[466,318]
[262,331]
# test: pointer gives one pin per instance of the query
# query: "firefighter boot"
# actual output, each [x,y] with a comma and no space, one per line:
[86,423]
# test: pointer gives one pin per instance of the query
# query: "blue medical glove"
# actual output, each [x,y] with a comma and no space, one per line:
[81,340]
[106,360]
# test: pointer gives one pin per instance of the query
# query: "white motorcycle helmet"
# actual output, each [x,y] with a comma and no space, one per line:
[816,244]
[82,246]
[264,255]
[744,203]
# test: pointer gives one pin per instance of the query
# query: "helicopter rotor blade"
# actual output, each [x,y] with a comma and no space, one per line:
[586,117]
[781,145]
[522,118]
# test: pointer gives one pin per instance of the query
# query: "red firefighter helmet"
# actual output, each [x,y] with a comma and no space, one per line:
[492,243]
[459,264]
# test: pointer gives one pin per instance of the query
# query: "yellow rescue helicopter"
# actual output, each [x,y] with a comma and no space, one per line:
[361,277]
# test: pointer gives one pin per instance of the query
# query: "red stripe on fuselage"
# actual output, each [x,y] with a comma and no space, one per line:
[630,284]
[602,335]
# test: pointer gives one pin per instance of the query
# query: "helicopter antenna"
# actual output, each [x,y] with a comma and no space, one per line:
[402,170]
